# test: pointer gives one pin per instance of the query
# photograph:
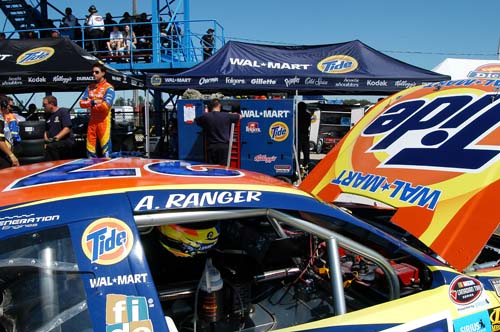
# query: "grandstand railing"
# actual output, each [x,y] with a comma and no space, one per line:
[156,50]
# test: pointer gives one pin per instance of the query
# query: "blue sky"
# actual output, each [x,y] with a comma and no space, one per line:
[422,33]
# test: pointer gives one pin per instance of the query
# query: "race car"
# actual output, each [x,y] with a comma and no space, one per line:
[142,245]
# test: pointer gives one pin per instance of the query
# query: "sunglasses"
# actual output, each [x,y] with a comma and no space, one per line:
[96,72]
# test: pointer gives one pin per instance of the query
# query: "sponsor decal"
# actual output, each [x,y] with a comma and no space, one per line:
[416,128]
[282,168]
[262,81]
[25,220]
[235,81]
[479,322]
[377,83]
[268,64]
[107,241]
[405,84]
[488,71]
[496,285]
[495,319]
[264,158]
[175,79]
[4,56]
[127,314]
[403,191]
[155,80]
[34,56]
[464,290]
[119,280]
[337,64]
[13,80]
[210,80]
[252,128]
[84,78]
[195,199]
[278,131]
[348,83]
[38,79]
[269,113]
[292,81]
[315,81]
[62,79]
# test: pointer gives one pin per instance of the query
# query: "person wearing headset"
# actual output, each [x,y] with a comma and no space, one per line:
[7,156]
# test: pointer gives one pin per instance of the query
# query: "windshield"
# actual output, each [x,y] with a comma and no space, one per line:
[41,288]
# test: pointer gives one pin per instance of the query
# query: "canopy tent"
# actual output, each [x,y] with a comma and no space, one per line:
[52,64]
[469,68]
[343,68]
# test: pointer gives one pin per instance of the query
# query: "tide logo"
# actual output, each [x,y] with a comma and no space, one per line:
[127,314]
[278,131]
[448,132]
[156,80]
[337,64]
[107,241]
[35,55]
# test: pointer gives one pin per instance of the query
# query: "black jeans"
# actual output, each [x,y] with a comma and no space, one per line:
[59,150]
[217,153]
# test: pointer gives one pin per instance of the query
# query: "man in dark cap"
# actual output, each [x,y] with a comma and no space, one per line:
[207,42]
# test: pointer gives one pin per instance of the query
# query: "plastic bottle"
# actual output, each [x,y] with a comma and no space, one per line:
[211,293]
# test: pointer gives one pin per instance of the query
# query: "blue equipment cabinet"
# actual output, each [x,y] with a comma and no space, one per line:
[266,134]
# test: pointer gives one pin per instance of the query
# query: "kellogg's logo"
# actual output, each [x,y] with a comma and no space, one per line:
[337,64]
[35,55]
[155,80]
[107,241]
[490,70]
[278,131]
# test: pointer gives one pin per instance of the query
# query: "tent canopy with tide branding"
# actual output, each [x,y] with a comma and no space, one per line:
[344,68]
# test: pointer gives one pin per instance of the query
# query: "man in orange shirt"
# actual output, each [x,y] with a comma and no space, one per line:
[99,98]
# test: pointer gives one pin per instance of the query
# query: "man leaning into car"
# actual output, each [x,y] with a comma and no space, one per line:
[58,135]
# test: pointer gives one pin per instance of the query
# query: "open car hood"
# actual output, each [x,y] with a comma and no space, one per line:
[432,153]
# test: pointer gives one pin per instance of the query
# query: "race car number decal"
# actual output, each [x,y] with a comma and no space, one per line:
[73,171]
[182,168]
[444,133]
[79,170]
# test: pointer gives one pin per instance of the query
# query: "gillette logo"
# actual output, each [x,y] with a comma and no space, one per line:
[127,314]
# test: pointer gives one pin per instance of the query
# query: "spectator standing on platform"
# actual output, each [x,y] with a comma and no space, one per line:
[7,156]
[58,135]
[208,42]
[95,29]
[2,36]
[108,22]
[69,22]
[217,127]
[99,98]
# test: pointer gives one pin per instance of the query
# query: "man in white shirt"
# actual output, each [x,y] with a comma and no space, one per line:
[116,43]
[95,29]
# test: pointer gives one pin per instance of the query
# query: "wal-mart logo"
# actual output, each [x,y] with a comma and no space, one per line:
[127,314]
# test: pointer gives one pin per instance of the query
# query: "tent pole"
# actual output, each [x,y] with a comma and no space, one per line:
[231,136]
[295,139]
[146,122]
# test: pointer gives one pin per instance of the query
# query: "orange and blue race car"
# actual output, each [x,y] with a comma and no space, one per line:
[394,230]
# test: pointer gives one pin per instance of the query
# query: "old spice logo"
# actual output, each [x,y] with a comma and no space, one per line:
[264,158]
